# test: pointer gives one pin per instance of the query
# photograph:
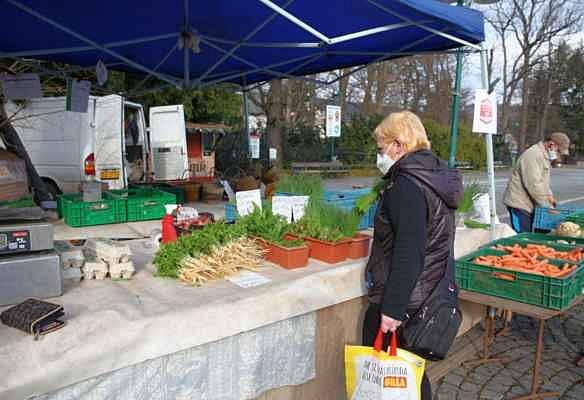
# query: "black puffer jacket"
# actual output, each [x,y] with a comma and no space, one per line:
[442,190]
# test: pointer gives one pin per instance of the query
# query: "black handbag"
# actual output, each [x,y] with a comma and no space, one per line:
[432,329]
[34,316]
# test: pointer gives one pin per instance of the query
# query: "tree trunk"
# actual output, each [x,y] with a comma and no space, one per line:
[524,108]
[343,86]
[274,117]
[367,99]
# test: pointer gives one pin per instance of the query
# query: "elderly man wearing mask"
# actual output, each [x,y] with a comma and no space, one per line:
[529,185]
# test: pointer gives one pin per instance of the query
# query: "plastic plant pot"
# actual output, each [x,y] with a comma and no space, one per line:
[329,252]
[359,247]
[289,257]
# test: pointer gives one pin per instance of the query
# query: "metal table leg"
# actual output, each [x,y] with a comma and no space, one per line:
[488,338]
[535,394]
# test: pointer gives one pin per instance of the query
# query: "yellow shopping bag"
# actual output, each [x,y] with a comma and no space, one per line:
[372,374]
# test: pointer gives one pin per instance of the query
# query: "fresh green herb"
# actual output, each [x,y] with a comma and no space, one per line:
[301,184]
[365,202]
[290,244]
[470,192]
[326,222]
[203,241]
[469,223]
[264,224]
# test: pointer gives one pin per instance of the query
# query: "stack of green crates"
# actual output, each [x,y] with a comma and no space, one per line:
[543,291]
[76,213]
[144,204]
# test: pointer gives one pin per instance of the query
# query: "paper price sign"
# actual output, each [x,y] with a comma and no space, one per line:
[299,204]
[282,205]
[247,200]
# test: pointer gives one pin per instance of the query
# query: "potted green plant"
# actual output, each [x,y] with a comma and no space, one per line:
[465,209]
[359,246]
[326,234]
[271,231]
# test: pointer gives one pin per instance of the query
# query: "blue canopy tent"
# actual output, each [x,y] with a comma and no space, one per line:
[196,44]
[192,44]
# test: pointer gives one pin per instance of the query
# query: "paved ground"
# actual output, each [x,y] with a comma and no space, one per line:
[563,344]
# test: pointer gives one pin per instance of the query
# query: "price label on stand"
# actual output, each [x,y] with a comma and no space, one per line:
[247,200]
[282,205]
[248,279]
[299,204]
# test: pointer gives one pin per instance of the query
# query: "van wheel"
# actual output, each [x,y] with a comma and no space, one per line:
[53,189]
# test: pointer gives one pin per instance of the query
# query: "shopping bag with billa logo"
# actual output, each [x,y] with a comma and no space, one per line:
[372,374]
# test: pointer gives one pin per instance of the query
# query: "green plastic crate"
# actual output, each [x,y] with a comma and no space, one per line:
[547,292]
[511,241]
[543,238]
[144,204]
[77,213]
[178,191]
[577,218]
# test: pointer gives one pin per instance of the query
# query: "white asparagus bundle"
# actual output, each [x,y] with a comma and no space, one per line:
[223,261]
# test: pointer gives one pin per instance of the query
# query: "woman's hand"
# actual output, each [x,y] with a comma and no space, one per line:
[389,324]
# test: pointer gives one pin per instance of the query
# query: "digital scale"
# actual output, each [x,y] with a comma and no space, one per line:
[29,265]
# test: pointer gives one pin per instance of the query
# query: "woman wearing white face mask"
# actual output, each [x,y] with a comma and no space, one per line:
[529,185]
[414,227]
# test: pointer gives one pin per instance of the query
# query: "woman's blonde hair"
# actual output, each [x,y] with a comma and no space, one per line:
[406,128]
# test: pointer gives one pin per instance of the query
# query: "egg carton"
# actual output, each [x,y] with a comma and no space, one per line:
[72,274]
[71,256]
[122,270]
[109,251]
[94,269]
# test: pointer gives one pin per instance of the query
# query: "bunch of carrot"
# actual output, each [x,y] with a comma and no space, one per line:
[533,259]
[538,250]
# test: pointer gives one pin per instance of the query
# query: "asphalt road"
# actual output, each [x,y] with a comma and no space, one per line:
[567,185]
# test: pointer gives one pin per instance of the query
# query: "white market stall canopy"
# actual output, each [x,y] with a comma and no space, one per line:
[196,44]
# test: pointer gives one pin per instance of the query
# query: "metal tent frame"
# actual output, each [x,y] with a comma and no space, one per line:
[433,18]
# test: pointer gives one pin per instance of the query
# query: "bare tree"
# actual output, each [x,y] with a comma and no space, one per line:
[532,24]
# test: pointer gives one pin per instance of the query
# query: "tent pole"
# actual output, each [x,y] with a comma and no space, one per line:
[186,49]
[489,143]
[455,104]
[246,118]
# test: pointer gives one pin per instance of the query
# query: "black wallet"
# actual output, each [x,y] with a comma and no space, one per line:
[34,316]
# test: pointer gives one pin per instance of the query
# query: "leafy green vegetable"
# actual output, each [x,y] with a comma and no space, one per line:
[470,192]
[264,224]
[202,241]
[469,223]
[365,202]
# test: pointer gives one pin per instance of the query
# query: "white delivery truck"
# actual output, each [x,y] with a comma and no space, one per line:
[109,143]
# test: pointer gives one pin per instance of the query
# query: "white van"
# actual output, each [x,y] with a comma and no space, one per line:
[110,142]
